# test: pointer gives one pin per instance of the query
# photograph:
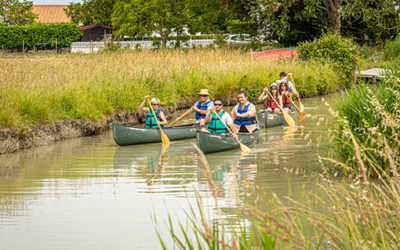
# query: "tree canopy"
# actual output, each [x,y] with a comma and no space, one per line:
[91,12]
[14,12]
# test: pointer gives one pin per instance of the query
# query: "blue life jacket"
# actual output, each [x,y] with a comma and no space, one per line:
[244,120]
[216,126]
[202,107]
[151,121]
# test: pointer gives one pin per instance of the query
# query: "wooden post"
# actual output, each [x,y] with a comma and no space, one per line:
[23,46]
[91,46]
[56,46]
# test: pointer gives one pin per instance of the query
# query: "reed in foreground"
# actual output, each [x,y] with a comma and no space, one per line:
[50,88]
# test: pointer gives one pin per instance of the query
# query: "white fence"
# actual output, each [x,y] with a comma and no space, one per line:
[89,47]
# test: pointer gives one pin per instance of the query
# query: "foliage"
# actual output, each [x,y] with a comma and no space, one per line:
[368,124]
[143,17]
[290,21]
[392,50]
[171,75]
[15,12]
[91,12]
[370,22]
[334,49]
[62,34]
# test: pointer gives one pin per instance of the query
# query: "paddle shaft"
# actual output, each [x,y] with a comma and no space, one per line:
[298,110]
[177,120]
[226,126]
[277,103]
[300,104]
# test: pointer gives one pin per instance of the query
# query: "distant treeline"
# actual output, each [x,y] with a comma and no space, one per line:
[49,35]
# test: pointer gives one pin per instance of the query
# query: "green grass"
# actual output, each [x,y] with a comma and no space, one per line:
[50,88]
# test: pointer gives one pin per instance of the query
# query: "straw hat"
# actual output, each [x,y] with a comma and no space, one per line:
[273,85]
[203,92]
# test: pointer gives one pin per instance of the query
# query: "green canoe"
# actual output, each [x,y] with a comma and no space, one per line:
[130,135]
[268,119]
[211,143]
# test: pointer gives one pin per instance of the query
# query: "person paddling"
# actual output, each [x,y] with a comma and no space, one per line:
[216,126]
[284,78]
[152,122]
[244,114]
[201,107]
[285,97]
[270,104]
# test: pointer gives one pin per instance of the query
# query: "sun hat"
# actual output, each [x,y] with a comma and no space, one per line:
[203,92]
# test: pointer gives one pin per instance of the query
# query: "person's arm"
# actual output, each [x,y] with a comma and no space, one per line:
[294,91]
[229,122]
[234,112]
[263,96]
[162,118]
[208,116]
[204,112]
[187,112]
[142,107]
[280,101]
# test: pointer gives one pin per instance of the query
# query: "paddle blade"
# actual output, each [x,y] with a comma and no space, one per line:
[244,148]
[301,106]
[302,115]
[289,119]
[164,138]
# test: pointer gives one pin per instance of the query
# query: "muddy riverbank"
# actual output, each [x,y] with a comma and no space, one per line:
[15,139]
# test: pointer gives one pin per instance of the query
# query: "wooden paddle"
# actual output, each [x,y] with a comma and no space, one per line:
[302,115]
[177,120]
[300,104]
[287,117]
[164,137]
[243,147]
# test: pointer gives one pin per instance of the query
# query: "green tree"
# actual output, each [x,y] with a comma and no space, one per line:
[91,12]
[14,12]
[146,17]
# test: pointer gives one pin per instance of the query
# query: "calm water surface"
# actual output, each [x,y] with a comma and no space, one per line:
[89,193]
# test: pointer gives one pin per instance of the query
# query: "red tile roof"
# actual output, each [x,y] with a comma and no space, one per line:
[51,14]
[91,26]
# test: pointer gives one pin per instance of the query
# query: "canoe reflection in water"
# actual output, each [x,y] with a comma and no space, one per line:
[150,161]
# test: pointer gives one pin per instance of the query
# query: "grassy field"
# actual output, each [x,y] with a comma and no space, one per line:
[36,90]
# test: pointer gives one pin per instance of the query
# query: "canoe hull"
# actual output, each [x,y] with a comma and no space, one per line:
[131,135]
[211,143]
[268,119]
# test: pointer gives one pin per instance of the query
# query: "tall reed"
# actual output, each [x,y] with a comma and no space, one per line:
[75,86]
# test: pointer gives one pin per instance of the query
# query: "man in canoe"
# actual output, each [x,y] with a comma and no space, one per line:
[152,122]
[283,78]
[216,126]
[244,114]
[201,107]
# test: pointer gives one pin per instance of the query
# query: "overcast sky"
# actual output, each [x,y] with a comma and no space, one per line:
[55,1]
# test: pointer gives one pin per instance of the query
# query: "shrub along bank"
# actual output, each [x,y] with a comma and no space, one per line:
[90,87]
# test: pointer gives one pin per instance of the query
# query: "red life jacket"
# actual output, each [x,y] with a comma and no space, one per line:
[270,103]
[286,101]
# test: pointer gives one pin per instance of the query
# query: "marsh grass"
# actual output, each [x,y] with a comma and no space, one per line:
[359,211]
[41,89]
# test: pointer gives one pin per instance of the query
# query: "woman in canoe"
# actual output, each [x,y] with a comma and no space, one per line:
[270,104]
[215,125]
[283,78]
[244,114]
[285,97]
[152,122]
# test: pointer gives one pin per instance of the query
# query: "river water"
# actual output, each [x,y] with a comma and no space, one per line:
[89,193]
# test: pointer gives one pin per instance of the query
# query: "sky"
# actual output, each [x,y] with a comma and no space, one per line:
[55,1]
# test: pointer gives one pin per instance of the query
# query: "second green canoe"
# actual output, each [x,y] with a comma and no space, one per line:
[268,119]
[210,143]
[130,135]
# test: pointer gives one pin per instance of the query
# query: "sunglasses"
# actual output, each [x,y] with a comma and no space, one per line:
[274,88]
[217,104]
[203,95]
[155,104]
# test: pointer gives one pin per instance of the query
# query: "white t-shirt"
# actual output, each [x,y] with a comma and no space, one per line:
[226,118]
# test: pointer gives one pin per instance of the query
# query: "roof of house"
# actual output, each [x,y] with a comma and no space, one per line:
[91,26]
[51,13]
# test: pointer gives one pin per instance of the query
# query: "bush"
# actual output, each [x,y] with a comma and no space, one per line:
[63,34]
[392,50]
[333,49]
